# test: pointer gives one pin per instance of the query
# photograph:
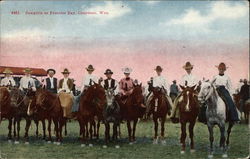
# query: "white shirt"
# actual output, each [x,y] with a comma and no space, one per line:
[191,80]
[160,81]
[223,81]
[24,83]
[86,80]
[116,91]
[7,81]
[65,86]
[52,82]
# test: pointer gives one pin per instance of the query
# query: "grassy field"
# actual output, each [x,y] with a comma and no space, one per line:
[143,148]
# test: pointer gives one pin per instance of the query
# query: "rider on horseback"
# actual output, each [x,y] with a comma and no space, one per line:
[161,82]
[110,82]
[126,84]
[27,83]
[187,80]
[89,79]
[223,86]
[8,79]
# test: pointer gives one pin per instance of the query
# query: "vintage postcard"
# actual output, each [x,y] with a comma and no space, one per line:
[124,79]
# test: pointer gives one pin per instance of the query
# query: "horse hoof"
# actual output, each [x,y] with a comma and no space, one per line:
[26,143]
[163,142]
[49,142]
[9,141]
[90,145]
[131,143]
[58,143]
[210,156]
[16,142]
[192,150]
[83,145]
[224,156]
[117,146]
[104,146]
[182,152]
[155,142]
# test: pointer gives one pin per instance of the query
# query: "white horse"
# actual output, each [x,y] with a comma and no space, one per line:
[216,115]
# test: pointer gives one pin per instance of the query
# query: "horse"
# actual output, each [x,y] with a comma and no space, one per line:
[159,108]
[6,110]
[246,106]
[216,115]
[132,110]
[47,106]
[111,115]
[189,109]
[92,104]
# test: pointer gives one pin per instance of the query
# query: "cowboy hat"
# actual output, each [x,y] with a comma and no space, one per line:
[222,65]
[50,69]
[158,68]
[27,70]
[188,65]
[90,68]
[127,70]
[108,71]
[7,71]
[65,71]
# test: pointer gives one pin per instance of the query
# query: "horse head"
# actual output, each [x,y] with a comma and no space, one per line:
[38,101]
[110,96]
[137,95]
[96,93]
[188,94]
[15,97]
[205,92]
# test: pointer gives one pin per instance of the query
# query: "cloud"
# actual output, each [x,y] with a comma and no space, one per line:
[26,34]
[151,2]
[219,10]
[114,9]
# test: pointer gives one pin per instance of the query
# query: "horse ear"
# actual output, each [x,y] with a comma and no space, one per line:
[193,87]
[182,87]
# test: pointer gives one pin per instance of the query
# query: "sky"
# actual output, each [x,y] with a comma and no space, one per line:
[137,34]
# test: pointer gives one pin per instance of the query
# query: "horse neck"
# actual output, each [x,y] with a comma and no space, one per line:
[213,98]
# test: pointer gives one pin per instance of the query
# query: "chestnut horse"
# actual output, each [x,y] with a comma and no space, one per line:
[189,109]
[6,109]
[48,105]
[159,108]
[132,110]
[92,104]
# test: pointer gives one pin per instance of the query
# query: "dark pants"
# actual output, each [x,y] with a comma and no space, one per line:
[223,92]
[52,90]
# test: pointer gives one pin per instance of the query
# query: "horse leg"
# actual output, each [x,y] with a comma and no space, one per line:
[87,131]
[92,123]
[156,129]
[44,129]
[191,135]
[27,127]
[10,128]
[97,129]
[163,119]
[115,127]
[107,129]
[37,125]
[119,130]
[134,129]
[229,131]
[49,130]
[56,129]
[15,121]
[211,139]
[183,137]
[129,130]
[94,128]
[65,129]
[18,129]
[222,139]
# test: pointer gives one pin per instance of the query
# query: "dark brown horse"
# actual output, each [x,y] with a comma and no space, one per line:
[246,106]
[6,110]
[159,109]
[189,110]
[48,106]
[92,104]
[132,110]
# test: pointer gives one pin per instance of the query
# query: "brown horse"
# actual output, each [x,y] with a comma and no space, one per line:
[246,106]
[132,110]
[92,104]
[159,109]
[48,106]
[189,110]
[6,110]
